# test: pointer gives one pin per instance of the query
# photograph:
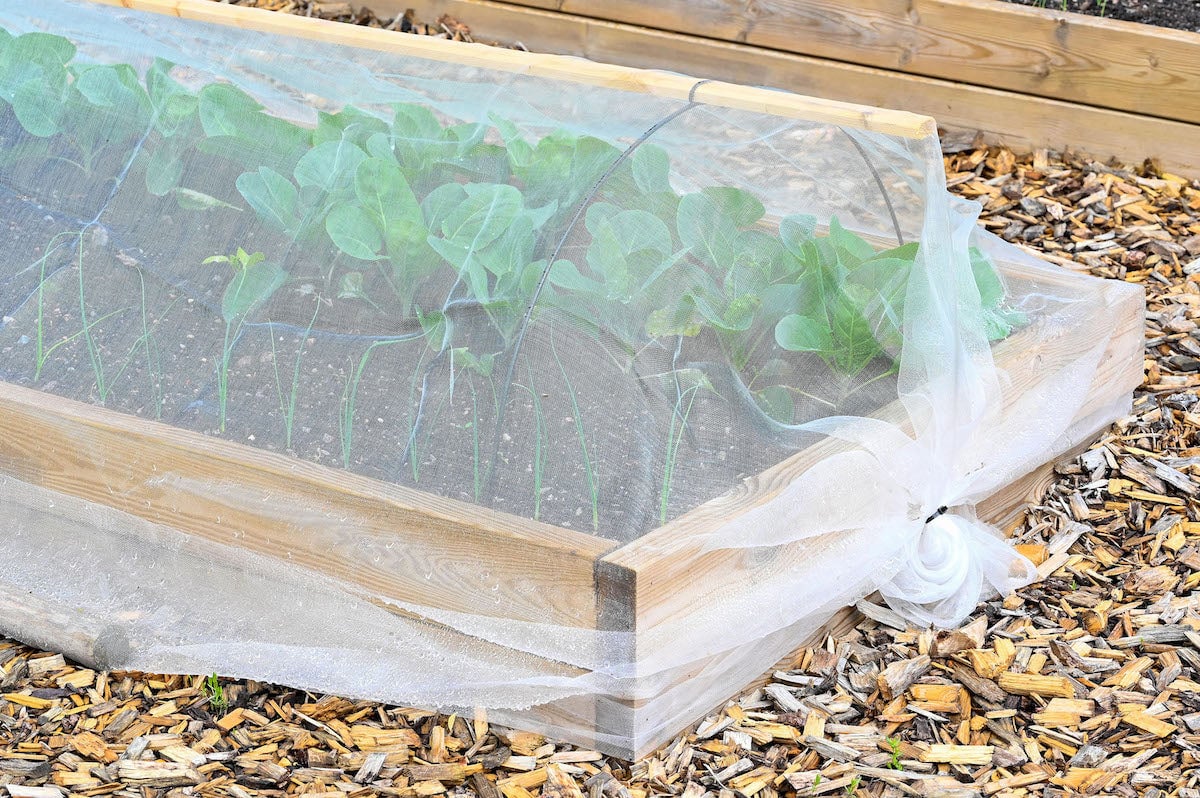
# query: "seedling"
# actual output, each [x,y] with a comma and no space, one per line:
[287,405]
[894,762]
[852,787]
[216,694]
[254,281]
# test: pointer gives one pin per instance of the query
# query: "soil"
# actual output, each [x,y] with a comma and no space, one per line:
[1179,14]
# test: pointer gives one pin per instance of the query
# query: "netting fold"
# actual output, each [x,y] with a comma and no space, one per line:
[593,313]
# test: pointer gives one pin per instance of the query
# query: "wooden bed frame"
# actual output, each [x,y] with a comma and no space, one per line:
[565,577]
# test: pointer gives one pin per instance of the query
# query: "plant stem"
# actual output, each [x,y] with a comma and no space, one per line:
[288,407]
[40,354]
[593,486]
[223,377]
[475,437]
[93,349]
[539,454]
[350,397]
[673,441]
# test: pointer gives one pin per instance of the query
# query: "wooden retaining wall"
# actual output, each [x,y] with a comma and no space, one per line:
[1029,77]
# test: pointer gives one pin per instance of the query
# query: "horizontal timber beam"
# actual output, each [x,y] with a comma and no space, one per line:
[1021,121]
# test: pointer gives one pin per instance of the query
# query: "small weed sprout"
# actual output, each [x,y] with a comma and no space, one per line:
[894,762]
[216,694]
[852,787]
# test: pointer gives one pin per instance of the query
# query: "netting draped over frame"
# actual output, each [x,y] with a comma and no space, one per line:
[592,312]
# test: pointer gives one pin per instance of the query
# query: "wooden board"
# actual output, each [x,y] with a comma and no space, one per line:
[573,70]
[327,520]
[1039,51]
[1019,120]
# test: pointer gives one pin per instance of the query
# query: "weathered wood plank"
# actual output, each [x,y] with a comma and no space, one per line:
[1039,51]
[401,544]
[573,70]
[1021,121]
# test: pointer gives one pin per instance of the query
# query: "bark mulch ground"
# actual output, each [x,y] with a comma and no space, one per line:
[1087,682]
[1181,14]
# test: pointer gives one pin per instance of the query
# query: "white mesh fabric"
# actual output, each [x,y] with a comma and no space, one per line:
[592,308]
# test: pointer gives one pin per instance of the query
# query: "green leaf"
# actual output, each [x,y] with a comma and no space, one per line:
[627,248]
[272,196]
[797,333]
[466,263]
[38,107]
[418,138]
[483,216]
[354,232]
[351,286]
[380,186]
[854,336]
[350,124]
[439,203]
[796,229]
[226,110]
[991,290]
[329,167]
[565,274]
[651,169]
[564,167]
[44,49]
[776,401]
[709,222]
[237,129]
[848,243]
[670,322]
[114,87]
[519,151]
[173,105]
[164,168]
[740,207]
[249,288]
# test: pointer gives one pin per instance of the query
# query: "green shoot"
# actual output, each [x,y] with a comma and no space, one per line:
[287,406]
[894,762]
[539,453]
[350,396]
[40,355]
[475,439]
[86,329]
[253,283]
[674,437]
[589,470]
[216,694]
[852,787]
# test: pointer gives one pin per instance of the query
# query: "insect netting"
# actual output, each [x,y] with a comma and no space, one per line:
[595,309]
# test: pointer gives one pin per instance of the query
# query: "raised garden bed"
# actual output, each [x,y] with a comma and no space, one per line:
[472,545]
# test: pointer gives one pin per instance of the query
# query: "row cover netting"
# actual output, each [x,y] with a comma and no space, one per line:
[589,307]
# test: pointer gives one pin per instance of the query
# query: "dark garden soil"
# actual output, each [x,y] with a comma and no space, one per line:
[1180,14]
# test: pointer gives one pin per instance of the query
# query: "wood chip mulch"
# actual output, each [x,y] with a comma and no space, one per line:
[444,27]
[1087,682]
